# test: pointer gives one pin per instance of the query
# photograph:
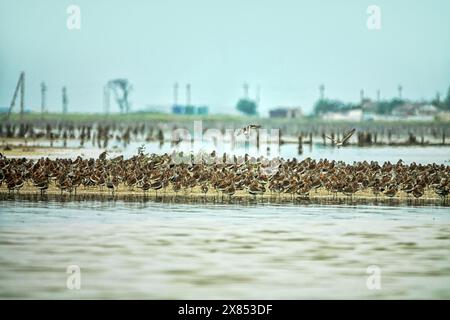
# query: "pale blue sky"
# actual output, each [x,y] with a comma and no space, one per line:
[288,47]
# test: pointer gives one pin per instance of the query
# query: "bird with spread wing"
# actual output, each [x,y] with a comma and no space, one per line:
[246,130]
[347,136]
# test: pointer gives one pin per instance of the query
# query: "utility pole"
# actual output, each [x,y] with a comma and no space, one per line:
[188,94]
[175,93]
[19,87]
[22,96]
[65,100]
[400,88]
[378,95]
[258,96]
[43,97]
[106,99]
[322,92]
[361,95]
[245,86]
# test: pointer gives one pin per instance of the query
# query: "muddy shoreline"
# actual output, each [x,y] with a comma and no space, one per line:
[322,197]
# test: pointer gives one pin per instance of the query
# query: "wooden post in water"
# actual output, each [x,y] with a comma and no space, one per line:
[65,100]
[233,139]
[65,139]
[22,95]
[300,144]
[160,137]
[257,139]
[43,98]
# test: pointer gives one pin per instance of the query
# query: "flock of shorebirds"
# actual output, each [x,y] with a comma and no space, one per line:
[226,175]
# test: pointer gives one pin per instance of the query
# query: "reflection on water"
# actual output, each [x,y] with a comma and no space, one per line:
[164,250]
[243,200]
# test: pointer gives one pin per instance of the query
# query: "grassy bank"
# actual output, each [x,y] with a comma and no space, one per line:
[166,117]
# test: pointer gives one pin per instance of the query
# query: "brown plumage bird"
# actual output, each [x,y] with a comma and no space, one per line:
[391,191]
[103,155]
[42,186]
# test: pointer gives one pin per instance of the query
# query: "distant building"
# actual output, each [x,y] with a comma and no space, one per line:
[427,110]
[202,110]
[369,106]
[416,111]
[189,109]
[443,116]
[379,117]
[344,115]
[405,110]
[178,109]
[282,112]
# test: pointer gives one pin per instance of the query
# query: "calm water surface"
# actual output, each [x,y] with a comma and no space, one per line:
[161,250]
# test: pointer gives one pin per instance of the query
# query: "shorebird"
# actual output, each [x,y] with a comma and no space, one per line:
[391,191]
[204,189]
[102,156]
[42,186]
[349,189]
[304,191]
[230,190]
[408,188]
[347,136]
[156,186]
[14,184]
[255,188]
[293,177]
[418,192]
[2,177]
[176,188]
[246,130]
[442,191]
[110,184]
[145,186]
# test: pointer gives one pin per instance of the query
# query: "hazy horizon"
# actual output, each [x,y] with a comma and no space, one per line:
[288,48]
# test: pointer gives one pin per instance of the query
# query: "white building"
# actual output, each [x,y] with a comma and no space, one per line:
[284,112]
[346,115]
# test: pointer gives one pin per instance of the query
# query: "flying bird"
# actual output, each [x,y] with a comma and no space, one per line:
[246,130]
[347,136]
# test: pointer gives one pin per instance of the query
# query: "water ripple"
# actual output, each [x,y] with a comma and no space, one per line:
[158,250]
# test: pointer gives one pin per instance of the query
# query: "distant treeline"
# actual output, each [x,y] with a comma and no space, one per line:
[384,107]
